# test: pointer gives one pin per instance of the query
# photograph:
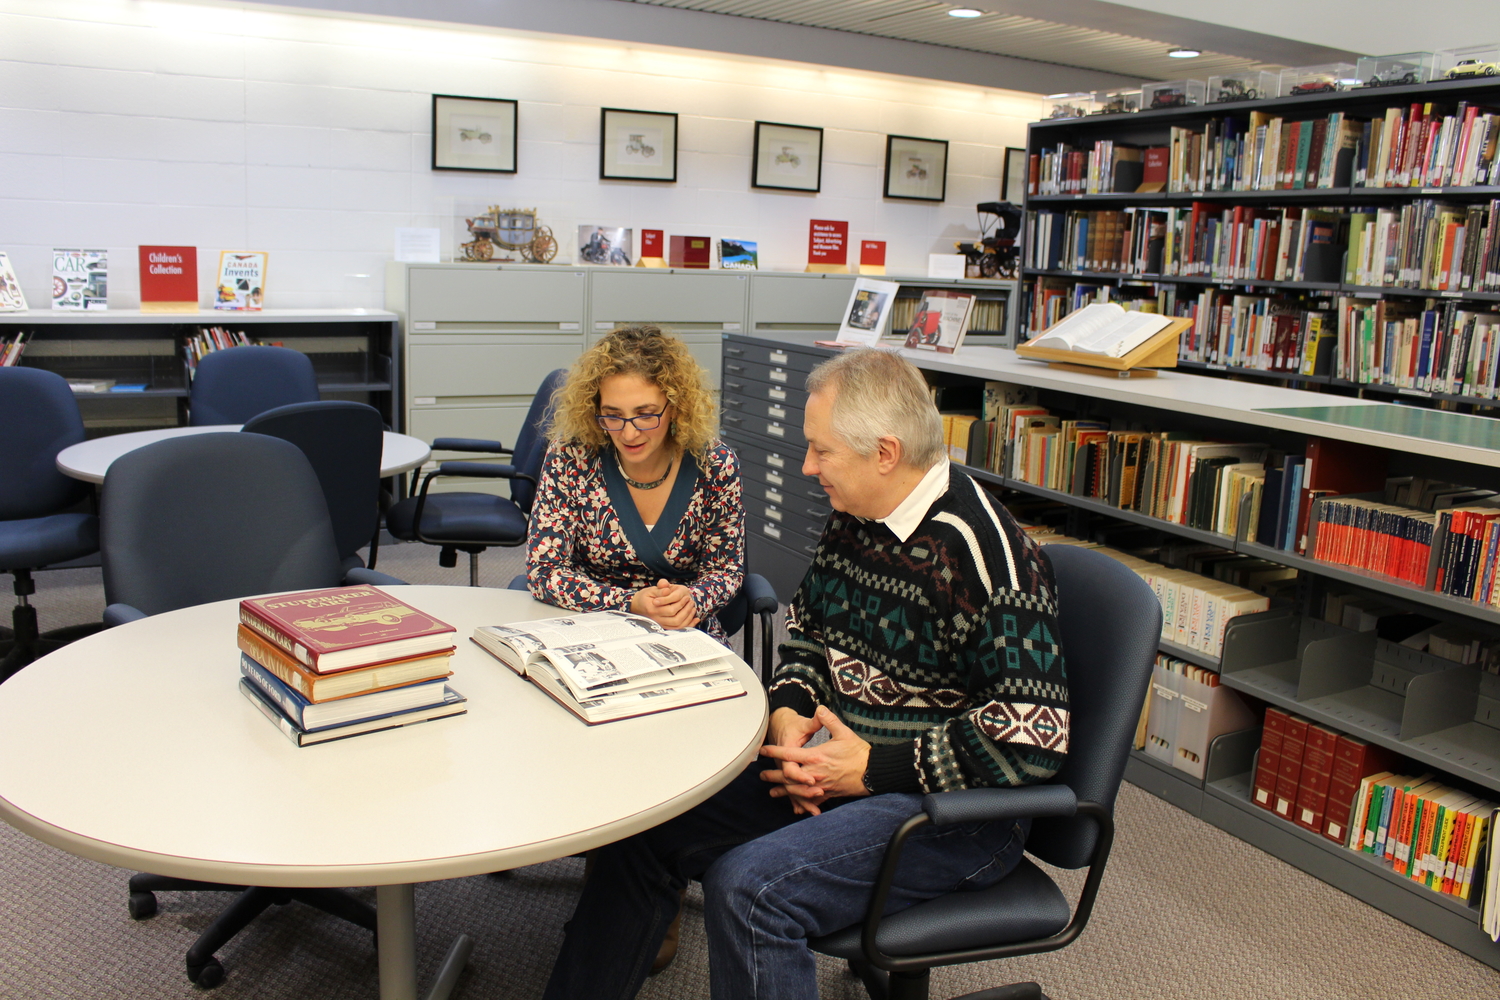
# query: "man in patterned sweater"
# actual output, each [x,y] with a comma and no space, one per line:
[923,639]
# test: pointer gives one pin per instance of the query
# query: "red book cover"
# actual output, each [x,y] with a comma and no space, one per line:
[1033,174]
[1157,165]
[872,253]
[1268,763]
[690,251]
[1344,467]
[827,242]
[1289,774]
[1317,767]
[652,243]
[169,279]
[345,627]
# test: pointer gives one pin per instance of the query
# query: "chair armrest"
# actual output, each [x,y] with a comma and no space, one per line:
[469,444]
[760,595]
[119,614]
[976,805]
[360,576]
[478,470]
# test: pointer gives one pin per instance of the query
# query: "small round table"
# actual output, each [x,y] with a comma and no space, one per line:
[90,460]
[134,747]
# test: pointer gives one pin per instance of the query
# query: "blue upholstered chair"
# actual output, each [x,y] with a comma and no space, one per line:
[235,384]
[473,522]
[343,440]
[1111,623]
[207,518]
[38,525]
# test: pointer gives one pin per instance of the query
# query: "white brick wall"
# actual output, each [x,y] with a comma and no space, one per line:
[125,122]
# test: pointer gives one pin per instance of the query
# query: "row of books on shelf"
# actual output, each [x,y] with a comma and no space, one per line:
[12,348]
[1425,244]
[984,314]
[207,340]
[1424,144]
[1187,709]
[1415,345]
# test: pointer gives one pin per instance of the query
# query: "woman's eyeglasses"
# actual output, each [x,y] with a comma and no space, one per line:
[642,422]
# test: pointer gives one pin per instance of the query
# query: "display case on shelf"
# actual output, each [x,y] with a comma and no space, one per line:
[1074,105]
[1116,102]
[1467,62]
[1324,78]
[1173,94]
[1401,70]
[1247,86]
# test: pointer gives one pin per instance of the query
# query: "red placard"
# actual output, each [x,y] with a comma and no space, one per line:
[872,253]
[827,242]
[169,275]
[651,243]
[690,251]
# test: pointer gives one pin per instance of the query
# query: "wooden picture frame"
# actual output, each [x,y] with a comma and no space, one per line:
[475,134]
[637,145]
[787,157]
[1014,181]
[916,169]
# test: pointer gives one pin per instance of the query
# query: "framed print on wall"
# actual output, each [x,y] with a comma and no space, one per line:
[916,168]
[473,133]
[787,157]
[637,145]
[1013,181]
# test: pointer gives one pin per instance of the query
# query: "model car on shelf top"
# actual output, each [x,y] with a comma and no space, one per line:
[1115,105]
[1168,99]
[1314,87]
[1235,90]
[1066,111]
[1396,76]
[1472,67]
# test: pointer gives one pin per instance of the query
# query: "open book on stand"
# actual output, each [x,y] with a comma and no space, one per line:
[1104,335]
[609,665]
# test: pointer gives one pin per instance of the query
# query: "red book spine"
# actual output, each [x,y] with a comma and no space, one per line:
[1289,773]
[1317,767]
[1267,767]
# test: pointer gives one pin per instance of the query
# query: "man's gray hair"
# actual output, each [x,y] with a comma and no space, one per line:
[879,394]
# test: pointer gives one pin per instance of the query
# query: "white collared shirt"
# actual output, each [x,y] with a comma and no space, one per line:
[909,512]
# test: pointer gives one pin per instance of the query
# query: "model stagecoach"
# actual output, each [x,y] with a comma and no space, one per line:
[514,229]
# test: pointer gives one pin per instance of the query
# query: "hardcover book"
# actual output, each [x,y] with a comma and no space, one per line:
[606,245]
[242,280]
[453,704]
[341,711]
[739,255]
[80,279]
[865,315]
[941,320]
[345,627]
[318,688]
[12,299]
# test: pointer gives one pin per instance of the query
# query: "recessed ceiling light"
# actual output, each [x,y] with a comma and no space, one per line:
[965,12]
[1184,53]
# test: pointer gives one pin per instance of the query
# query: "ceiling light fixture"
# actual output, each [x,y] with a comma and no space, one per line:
[1181,53]
[965,12]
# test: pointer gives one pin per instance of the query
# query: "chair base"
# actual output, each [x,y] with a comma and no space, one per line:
[203,969]
[23,643]
[882,985]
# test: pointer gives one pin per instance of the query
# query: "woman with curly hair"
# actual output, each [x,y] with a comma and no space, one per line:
[639,504]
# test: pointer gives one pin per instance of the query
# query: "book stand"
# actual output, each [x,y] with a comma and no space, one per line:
[1158,352]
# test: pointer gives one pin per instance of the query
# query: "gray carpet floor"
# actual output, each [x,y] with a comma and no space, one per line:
[1186,911]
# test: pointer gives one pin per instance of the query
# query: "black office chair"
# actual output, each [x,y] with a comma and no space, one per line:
[234,384]
[37,527]
[1111,623]
[208,518]
[343,440]
[473,522]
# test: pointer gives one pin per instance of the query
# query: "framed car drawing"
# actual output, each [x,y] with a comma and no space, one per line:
[637,145]
[787,157]
[916,168]
[473,133]
[1013,182]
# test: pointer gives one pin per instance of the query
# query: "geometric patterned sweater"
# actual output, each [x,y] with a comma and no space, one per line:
[941,651]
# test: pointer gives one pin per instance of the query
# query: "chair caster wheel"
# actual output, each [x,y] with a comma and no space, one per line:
[208,975]
[141,905]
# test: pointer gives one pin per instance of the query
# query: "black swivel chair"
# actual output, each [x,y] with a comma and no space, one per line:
[1111,623]
[473,522]
[39,417]
[234,384]
[343,440]
[208,518]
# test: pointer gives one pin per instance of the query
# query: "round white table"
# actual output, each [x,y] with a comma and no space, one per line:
[89,460]
[119,746]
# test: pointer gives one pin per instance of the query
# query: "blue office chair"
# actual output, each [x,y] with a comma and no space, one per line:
[473,522]
[235,384]
[208,518]
[343,440]
[1111,623]
[37,525]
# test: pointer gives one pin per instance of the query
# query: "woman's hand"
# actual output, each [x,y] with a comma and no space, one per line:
[668,604]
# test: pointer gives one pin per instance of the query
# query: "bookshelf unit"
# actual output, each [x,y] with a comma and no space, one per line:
[1444,716]
[1182,292]
[355,353]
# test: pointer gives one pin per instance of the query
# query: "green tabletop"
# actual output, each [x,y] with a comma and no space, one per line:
[1432,425]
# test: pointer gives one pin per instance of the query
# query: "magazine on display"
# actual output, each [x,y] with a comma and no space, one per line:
[866,315]
[609,665]
[12,299]
[941,320]
[242,280]
[80,279]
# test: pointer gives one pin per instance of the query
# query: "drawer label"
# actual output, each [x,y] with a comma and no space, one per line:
[779,357]
[774,496]
[776,394]
[603,324]
[424,400]
[731,328]
[776,460]
[776,411]
[771,530]
[773,514]
[570,326]
[778,375]
[774,478]
[775,430]
[423,324]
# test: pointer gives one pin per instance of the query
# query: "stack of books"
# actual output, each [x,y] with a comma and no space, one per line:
[327,664]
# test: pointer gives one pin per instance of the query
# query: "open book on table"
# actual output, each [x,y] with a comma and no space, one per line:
[1103,328]
[609,665]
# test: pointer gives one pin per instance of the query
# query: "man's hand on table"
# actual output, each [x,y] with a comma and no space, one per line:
[810,776]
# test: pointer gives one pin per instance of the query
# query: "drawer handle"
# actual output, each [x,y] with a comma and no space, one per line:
[733,401]
[811,550]
[736,351]
[817,511]
[736,386]
[734,368]
[731,419]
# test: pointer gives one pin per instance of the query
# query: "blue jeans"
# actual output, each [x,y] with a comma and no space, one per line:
[771,880]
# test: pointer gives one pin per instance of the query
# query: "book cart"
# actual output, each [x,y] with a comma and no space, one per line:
[1441,714]
[1353,196]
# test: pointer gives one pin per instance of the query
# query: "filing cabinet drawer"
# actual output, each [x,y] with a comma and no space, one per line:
[750,406]
[795,489]
[771,392]
[773,356]
[791,520]
[792,378]
[775,431]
